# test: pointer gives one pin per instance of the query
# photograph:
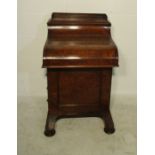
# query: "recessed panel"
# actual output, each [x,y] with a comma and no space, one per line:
[79,88]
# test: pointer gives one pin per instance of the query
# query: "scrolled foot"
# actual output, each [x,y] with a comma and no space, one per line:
[50,125]
[108,122]
[109,130]
[49,133]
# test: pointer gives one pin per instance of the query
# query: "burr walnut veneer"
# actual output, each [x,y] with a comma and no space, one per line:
[79,55]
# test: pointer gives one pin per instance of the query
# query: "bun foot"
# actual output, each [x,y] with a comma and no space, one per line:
[109,130]
[49,133]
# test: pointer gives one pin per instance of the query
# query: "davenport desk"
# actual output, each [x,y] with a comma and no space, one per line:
[79,55]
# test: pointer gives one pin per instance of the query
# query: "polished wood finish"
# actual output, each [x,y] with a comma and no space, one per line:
[79,55]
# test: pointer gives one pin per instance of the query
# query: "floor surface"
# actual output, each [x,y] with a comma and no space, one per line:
[76,136]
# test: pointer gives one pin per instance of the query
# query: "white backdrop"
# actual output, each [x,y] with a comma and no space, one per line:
[32,32]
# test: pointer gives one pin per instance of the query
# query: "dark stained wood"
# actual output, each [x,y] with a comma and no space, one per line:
[79,55]
[78,19]
[79,45]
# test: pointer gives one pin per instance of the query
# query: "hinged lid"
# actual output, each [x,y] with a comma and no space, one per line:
[79,40]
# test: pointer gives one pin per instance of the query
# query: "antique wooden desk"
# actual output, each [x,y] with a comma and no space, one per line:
[79,55]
